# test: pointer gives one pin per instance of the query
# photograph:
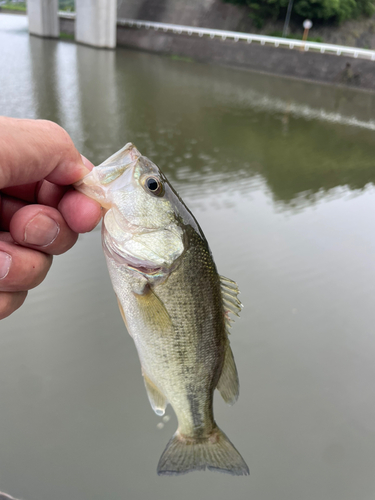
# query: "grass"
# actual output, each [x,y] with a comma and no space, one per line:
[66,5]
[20,7]
[175,57]
[66,36]
[293,36]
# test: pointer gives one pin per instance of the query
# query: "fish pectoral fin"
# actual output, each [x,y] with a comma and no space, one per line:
[157,399]
[153,312]
[231,302]
[228,384]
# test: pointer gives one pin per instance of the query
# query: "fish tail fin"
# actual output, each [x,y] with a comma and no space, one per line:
[216,452]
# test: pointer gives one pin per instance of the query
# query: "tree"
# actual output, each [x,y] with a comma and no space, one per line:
[334,11]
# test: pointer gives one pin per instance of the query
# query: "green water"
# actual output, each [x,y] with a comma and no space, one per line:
[280,175]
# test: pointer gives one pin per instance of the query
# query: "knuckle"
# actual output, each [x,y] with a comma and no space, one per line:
[58,132]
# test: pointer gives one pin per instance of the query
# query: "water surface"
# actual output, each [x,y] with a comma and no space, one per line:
[280,175]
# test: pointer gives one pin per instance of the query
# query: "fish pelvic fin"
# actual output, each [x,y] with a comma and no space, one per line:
[228,385]
[157,399]
[215,452]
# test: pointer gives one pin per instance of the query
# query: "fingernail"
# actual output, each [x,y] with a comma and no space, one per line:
[5,262]
[41,231]
[87,163]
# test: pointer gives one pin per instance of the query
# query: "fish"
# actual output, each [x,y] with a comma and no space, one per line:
[174,304]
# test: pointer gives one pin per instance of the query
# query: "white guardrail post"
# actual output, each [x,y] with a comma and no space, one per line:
[272,41]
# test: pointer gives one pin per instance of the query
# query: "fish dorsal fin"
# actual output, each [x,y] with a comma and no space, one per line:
[153,312]
[231,302]
[157,399]
[228,384]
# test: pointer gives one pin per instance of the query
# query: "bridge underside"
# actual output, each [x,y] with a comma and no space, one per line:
[95,21]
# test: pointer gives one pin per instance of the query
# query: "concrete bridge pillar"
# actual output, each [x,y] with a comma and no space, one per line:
[96,22]
[43,17]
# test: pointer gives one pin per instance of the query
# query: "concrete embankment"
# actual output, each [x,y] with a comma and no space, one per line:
[312,66]
[217,14]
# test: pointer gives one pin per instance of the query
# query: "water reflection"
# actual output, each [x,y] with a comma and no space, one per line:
[206,127]
[203,136]
[16,84]
[45,77]
[75,420]
[96,70]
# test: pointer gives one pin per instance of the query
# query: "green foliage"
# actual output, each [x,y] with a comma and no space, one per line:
[67,5]
[66,36]
[317,10]
[19,6]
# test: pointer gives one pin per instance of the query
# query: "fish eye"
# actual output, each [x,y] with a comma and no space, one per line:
[154,186]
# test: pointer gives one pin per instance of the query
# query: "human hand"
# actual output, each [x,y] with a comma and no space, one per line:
[40,215]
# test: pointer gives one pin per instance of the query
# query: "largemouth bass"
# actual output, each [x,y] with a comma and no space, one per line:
[174,304]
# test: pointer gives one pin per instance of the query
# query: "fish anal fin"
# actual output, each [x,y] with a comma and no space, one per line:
[153,312]
[228,384]
[157,399]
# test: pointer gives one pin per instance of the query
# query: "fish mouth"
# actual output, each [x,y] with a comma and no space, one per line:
[98,183]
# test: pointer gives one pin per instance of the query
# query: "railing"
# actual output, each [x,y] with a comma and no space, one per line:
[67,15]
[339,50]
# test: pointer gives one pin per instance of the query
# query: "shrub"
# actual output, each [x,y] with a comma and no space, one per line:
[334,11]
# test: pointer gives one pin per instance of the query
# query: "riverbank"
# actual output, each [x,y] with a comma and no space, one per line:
[306,65]
[217,14]
[324,68]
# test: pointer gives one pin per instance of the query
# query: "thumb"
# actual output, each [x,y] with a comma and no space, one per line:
[32,150]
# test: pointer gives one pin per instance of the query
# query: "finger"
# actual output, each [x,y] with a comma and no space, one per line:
[26,192]
[8,207]
[31,150]
[50,194]
[10,302]
[43,192]
[82,214]
[21,268]
[42,228]
[47,194]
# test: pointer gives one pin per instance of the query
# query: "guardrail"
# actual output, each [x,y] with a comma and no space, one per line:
[235,36]
[67,15]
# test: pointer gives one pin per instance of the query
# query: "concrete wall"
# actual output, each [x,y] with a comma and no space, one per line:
[308,65]
[293,63]
[96,23]
[203,13]
[43,18]
[220,15]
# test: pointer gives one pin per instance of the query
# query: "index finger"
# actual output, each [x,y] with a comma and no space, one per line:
[32,150]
